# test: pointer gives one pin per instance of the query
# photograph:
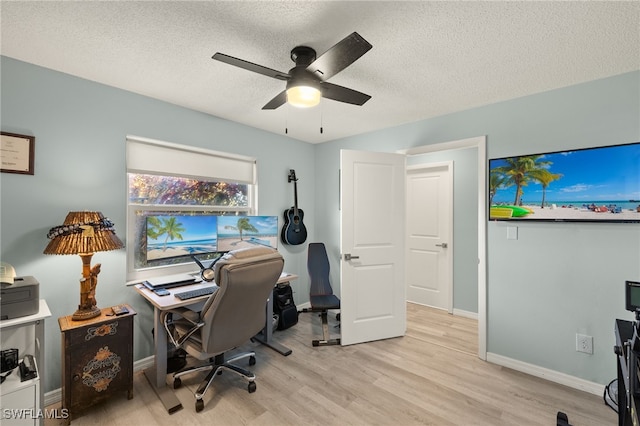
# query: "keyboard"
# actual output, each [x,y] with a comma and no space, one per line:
[190,294]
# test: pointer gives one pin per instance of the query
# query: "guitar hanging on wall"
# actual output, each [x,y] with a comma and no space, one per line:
[293,232]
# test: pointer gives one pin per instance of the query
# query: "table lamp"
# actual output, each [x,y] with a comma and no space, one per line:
[84,233]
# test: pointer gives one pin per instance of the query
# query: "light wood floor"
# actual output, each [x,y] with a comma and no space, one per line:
[431,376]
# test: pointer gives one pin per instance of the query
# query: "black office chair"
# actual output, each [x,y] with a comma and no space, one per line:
[562,419]
[230,317]
[321,295]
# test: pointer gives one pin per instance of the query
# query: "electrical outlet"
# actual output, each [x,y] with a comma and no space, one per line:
[584,343]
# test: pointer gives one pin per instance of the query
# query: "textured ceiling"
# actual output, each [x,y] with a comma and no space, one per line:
[428,58]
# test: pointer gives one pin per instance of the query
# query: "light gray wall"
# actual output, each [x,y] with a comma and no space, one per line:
[557,279]
[80,129]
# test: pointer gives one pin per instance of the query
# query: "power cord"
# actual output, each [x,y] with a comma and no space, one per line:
[610,395]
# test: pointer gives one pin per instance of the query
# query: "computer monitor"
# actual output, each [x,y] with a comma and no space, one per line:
[632,296]
[180,235]
[236,232]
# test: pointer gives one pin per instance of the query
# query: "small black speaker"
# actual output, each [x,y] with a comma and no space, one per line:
[9,360]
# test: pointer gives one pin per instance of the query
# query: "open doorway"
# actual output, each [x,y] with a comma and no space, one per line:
[429,235]
[436,152]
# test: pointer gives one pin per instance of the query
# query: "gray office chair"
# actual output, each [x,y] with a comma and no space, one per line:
[230,317]
[321,297]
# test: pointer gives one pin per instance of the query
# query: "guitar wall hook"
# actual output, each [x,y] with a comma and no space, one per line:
[293,231]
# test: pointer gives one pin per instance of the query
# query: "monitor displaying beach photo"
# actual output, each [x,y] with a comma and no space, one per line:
[236,232]
[589,185]
[177,235]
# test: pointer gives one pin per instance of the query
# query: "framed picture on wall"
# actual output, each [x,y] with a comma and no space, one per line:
[17,153]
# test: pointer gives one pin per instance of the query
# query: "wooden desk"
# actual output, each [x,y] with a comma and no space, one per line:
[157,375]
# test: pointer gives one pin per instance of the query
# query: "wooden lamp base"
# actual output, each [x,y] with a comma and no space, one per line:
[87,308]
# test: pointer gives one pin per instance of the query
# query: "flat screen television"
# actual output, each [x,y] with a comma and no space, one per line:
[600,184]
[180,235]
[236,232]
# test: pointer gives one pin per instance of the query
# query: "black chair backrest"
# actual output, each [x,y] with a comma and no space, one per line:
[318,267]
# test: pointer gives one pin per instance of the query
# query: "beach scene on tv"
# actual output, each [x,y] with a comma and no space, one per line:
[180,235]
[236,232]
[590,184]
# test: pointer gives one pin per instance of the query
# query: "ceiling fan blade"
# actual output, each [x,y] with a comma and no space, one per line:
[343,94]
[250,66]
[278,101]
[340,56]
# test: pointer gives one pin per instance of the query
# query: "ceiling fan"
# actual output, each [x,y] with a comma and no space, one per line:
[307,81]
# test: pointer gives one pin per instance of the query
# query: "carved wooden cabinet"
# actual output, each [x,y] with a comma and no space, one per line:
[97,359]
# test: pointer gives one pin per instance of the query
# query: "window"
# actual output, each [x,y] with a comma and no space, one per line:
[168,181]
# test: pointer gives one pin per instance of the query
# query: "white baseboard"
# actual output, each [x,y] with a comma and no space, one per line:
[302,306]
[52,397]
[545,373]
[143,364]
[55,396]
[466,314]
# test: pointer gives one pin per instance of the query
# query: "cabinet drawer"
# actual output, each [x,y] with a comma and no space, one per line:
[83,335]
[21,398]
[19,407]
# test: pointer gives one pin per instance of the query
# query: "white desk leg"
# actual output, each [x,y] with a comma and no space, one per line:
[157,375]
[160,339]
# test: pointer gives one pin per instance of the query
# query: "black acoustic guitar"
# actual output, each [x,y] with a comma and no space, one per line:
[294,232]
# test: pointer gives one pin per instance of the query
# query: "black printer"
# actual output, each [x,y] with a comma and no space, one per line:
[20,298]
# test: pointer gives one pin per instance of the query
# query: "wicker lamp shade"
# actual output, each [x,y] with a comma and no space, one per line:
[84,233]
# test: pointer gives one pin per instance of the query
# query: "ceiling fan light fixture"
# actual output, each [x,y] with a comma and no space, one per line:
[303,96]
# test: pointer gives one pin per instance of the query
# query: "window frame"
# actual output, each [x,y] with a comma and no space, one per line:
[139,150]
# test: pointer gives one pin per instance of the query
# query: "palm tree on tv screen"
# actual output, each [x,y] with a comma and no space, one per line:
[519,171]
[153,227]
[243,225]
[496,180]
[545,177]
[172,228]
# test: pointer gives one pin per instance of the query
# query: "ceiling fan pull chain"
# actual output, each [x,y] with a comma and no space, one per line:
[286,122]
[321,115]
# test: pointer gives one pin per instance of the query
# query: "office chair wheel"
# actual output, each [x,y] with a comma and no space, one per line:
[199,405]
[252,360]
[177,382]
[251,387]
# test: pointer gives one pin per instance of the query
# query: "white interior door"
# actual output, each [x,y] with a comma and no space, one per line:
[372,292]
[429,235]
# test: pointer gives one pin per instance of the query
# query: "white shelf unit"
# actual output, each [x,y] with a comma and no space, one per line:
[27,335]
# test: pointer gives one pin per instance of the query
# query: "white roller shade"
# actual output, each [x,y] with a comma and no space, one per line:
[157,157]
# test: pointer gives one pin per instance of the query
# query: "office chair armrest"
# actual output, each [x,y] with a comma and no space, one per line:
[193,318]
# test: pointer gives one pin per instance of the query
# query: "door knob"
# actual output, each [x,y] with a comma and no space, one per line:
[443,245]
[348,256]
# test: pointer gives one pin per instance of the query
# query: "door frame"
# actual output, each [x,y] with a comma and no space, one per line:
[479,142]
[450,170]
